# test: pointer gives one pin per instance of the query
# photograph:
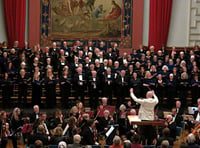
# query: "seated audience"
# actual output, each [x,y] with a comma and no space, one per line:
[116,143]
[76,143]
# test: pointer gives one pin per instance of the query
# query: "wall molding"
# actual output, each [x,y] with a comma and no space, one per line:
[194,23]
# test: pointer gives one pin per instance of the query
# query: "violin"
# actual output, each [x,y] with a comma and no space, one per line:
[196,128]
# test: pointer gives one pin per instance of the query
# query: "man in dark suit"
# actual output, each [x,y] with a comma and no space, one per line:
[115,51]
[176,117]
[76,144]
[88,133]
[197,115]
[93,87]
[165,136]
[79,83]
[108,84]
[179,109]
[54,53]
[38,136]
[35,115]
[122,85]
[171,125]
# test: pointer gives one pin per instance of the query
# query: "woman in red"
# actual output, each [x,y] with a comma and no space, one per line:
[115,12]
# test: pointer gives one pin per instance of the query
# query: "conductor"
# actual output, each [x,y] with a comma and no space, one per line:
[146,113]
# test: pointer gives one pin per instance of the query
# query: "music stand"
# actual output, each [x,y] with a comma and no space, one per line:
[110,133]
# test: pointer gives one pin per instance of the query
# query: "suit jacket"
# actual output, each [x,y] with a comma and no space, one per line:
[159,140]
[88,137]
[74,146]
[195,115]
[33,117]
[37,136]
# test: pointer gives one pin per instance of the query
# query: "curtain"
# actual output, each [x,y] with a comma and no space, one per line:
[159,21]
[15,14]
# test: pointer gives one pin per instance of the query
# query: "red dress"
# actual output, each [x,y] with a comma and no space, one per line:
[115,13]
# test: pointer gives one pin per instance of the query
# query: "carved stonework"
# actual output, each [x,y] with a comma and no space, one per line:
[194,30]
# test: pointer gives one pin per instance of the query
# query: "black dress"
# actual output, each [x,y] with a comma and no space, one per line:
[65,88]
[36,92]
[23,87]
[7,91]
[50,85]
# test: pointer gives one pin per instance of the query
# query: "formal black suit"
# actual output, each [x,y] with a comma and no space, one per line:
[33,117]
[93,87]
[178,119]
[196,114]
[172,127]
[56,139]
[169,139]
[108,86]
[54,53]
[37,136]
[122,85]
[79,85]
[88,137]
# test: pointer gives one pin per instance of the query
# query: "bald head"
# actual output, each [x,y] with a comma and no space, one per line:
[149,94]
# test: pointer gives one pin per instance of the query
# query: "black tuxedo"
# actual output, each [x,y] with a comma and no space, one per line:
[172,127]
[178,119]
[54,53]
[33,117]
[115,53]
[108,86]
[196,114]
[88,137]
[93,87]
[80,85]
[122,85]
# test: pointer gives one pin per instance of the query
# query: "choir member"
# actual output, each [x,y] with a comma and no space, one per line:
[50,85]
[36,88]
[108,84]
[54,53]
[122,85]
[79,83]
[93,87]
[171,84]
[183,87]
[7,90]
[160,85]
[195,85]
[65,88]
[23,87]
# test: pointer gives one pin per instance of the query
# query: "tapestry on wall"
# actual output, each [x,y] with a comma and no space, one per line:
[97,20]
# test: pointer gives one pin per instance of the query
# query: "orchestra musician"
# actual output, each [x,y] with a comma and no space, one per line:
[39,135]
[105,121]
[122,120]
[146,113]
[88,133]
[36,113]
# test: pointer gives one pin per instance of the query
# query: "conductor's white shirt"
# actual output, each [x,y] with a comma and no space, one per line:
[146,111]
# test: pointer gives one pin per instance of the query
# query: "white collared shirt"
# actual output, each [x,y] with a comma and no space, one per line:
[80,77]
[198,117]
